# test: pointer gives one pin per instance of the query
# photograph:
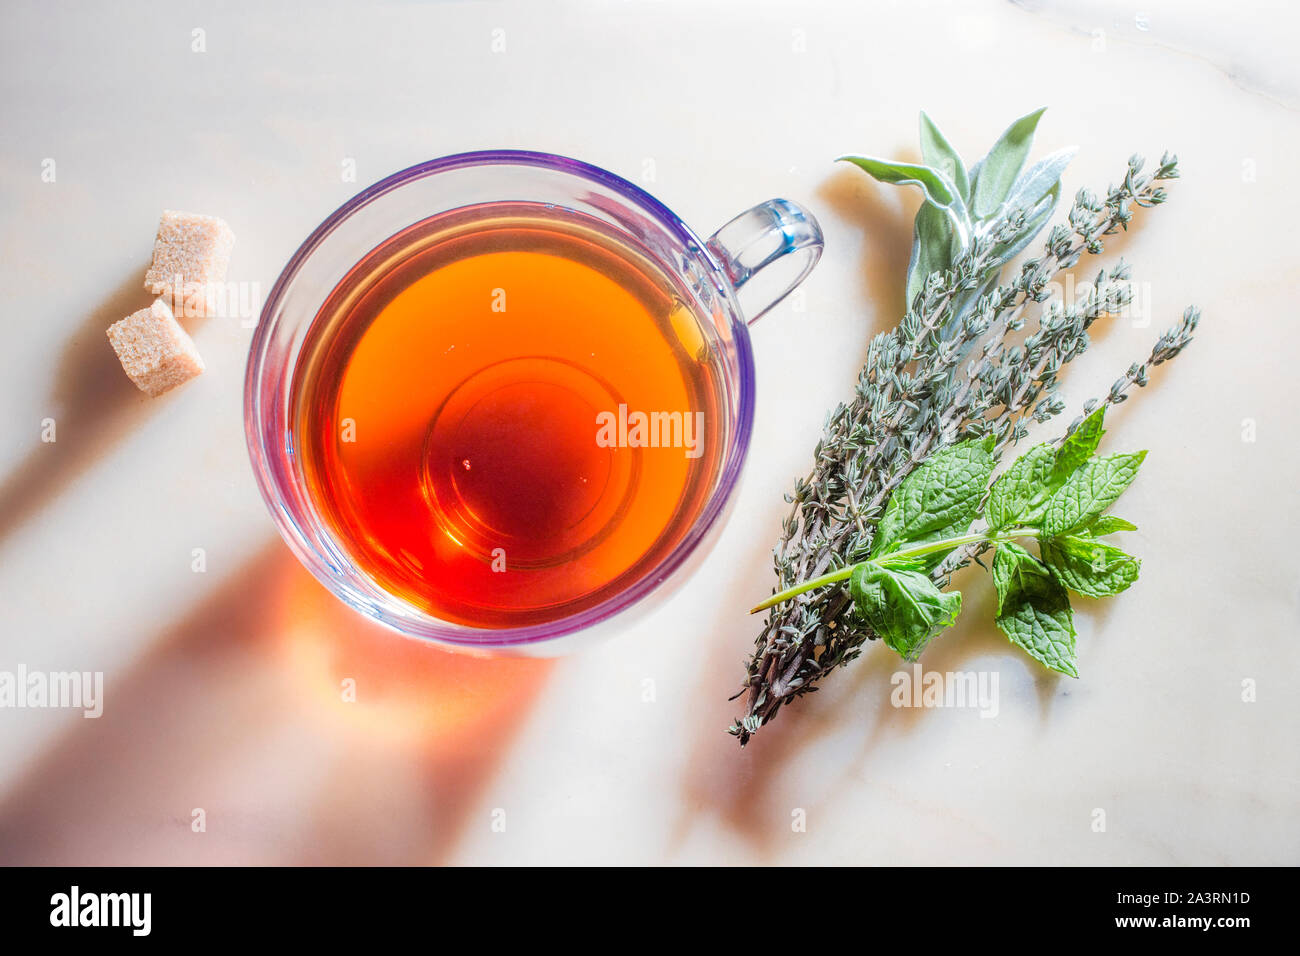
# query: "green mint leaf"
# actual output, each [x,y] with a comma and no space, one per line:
[939,154]
[1000,169]
[1021,492]
[1018,487]
[1089,491]
[1090,567]
[1079,446]
[937,500]
[1016,563]
[1109,524]
[1034,609]
[902,606]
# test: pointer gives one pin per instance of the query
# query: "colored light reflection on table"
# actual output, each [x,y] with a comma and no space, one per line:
[359,673]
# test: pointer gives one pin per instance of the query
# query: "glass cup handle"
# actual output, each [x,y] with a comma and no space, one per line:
[777,230]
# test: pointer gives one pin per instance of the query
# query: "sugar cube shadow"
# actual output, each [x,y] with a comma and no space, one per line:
[93,404]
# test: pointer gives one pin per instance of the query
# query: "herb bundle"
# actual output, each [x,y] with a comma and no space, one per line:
[901,473]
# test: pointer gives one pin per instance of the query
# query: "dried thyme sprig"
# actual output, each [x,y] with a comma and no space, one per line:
[951,370]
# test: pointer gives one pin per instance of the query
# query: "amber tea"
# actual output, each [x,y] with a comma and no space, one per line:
[507,414]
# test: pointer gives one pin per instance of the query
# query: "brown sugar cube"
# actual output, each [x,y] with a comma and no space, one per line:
[190,257]
[154,350]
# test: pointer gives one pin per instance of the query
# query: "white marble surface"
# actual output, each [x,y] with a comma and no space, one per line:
[222,688]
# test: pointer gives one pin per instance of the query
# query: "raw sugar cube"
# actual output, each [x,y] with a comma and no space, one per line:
[154,350]
[190,257]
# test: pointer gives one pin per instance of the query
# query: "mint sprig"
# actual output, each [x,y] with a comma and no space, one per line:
[1052,495]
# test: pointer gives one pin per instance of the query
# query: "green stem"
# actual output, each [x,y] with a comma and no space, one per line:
[893,557]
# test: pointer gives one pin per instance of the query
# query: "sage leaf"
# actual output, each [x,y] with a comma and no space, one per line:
[1018,488]
[1090,567]
[1039,180]
[1036,194]
[1034,222]
[939,154]
[937,188]
[941,497]
[1109,524]
[1089,491]
[1034,609]
[902,606]
[999,170]
[934,247]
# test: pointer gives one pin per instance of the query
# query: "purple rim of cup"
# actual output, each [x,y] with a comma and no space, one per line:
[270,470]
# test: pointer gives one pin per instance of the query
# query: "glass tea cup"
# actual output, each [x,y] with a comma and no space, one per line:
[758,257]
